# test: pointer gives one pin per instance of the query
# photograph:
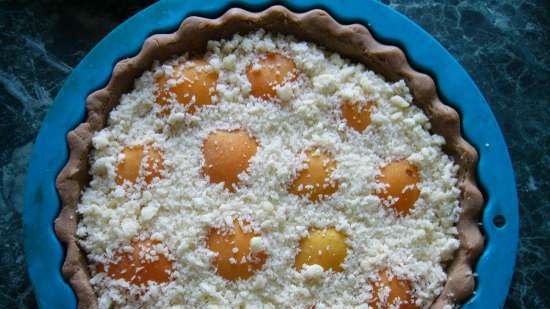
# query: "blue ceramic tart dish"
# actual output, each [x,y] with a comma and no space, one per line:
[45,254]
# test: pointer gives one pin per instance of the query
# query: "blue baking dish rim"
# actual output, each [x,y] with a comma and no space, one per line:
[45,254]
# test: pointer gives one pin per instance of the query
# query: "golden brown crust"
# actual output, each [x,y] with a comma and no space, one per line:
[352,41]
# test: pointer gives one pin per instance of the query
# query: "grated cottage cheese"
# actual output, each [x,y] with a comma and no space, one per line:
[179,208]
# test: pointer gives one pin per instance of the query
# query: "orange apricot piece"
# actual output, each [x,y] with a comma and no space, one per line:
[235,259]
[356,116]
[314,180]
[401,179]
[196,86]
[399,291]
[154,164]
[130,168]
[227,154]
[324,247]
[141,266]
[272,70]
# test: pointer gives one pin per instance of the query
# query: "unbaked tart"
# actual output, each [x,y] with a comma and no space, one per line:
[269,160]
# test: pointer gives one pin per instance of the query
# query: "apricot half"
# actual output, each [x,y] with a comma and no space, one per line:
[314,180]
[401,179]
[325,247]
[355,115]
[270,71]
[141,266]
[131,169]
[399,293]
[195,86]
[235,259]
[227,154]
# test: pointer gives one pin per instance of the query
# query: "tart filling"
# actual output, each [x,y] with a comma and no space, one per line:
[268,173]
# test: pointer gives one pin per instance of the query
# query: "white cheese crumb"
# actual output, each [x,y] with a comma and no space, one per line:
[148,212]
[129,227]
[229,62]
[256,244]
[398,101]
[325,83]
[312,272]
[101,140]
[284,92]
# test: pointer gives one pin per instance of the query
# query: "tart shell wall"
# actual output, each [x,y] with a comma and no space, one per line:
[351,41]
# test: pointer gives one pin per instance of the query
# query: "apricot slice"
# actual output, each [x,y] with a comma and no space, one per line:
[324,247]
[401,178]
[355,115]
[270,71]
[195,88]
[235,259]
[226,155]
[399,293]
[141,266]
[314,180]
[130,168]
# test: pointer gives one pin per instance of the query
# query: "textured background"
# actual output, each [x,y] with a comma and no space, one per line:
[503,44]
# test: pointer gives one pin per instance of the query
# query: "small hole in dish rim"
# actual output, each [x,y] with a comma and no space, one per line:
[499,221]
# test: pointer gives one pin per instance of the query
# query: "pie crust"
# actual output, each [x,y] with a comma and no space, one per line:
[317,26]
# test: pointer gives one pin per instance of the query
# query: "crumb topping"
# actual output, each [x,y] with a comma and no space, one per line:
[149,184]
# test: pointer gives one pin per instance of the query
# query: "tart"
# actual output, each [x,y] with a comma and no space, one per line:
[269,160]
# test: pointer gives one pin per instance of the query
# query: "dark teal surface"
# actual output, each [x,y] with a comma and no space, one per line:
[465,27]
[44,253]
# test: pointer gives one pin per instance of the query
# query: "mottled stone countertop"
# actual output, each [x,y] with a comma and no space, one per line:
[503,44]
